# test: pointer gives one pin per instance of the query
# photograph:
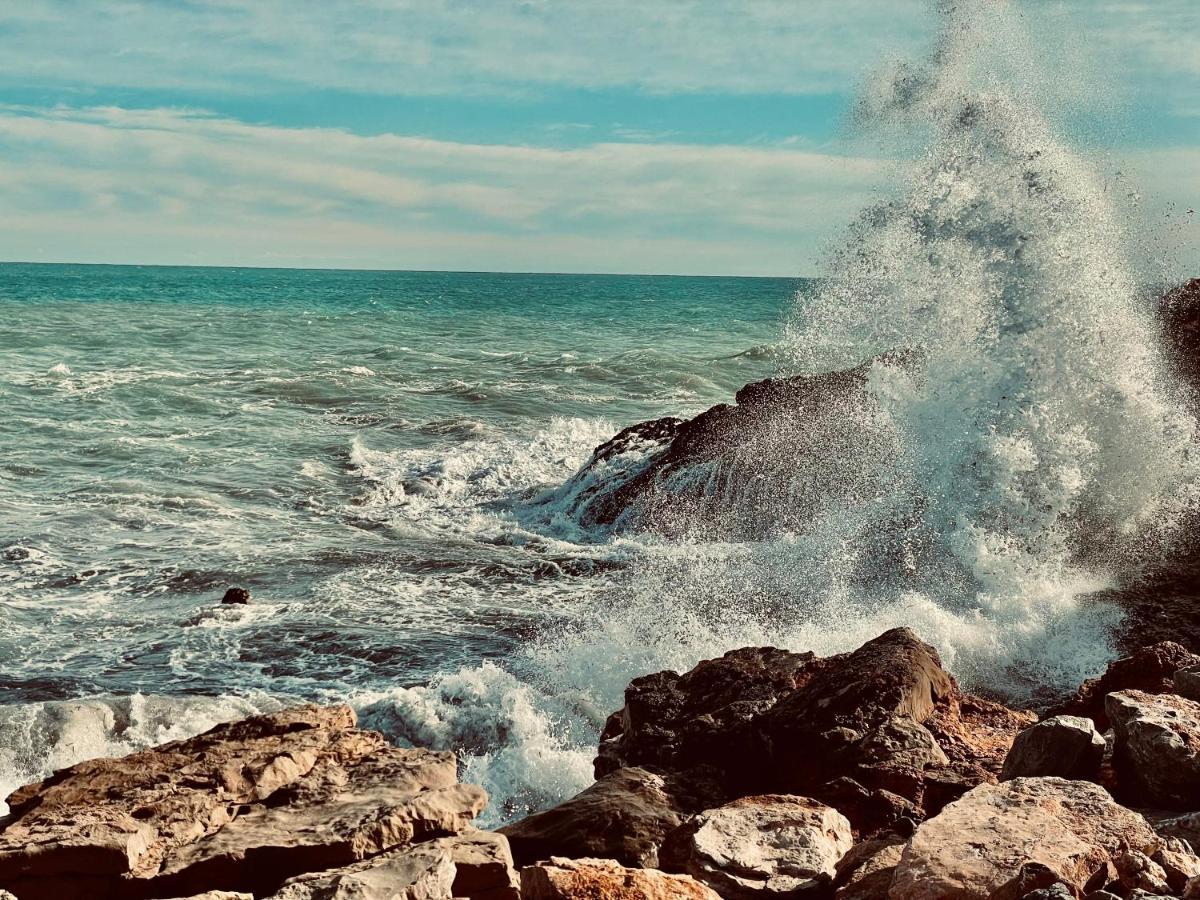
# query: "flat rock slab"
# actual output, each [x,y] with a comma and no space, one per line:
[240,808]
[605,879]
[769,846]
[1157,748]
[1009,839]
[423,872]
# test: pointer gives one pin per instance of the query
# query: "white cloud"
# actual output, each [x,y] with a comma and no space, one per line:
[109,184]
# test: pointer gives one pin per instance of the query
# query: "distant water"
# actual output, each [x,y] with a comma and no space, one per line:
[357,448]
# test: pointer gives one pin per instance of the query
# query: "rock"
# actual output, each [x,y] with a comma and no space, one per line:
[1138,872]
[1187,682]
[1156,750]
[423,872]
[646,475]
[1150,669]
[1178,863]
[604,879]
[236,595]
[1010,839]
[624,816]
[483,866]
[1067,746]
[767,846]
[1185,828]
[240,808]
[1057,891]
[882,734]
[207,895]
[866,871]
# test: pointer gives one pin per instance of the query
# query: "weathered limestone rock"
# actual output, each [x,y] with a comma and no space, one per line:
[240,808]
[624,816]
[1066,746]
[604,879]
[483,866]
[1157,748]
[207,895]
[1007,840]
[866,871]
[766,846]
[422,872]
[1150,669]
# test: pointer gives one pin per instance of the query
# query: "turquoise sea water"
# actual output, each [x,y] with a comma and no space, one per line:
[356,448]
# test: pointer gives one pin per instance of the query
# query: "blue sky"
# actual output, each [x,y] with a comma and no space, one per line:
[565,135]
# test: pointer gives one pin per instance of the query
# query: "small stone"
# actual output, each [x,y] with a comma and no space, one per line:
[236,595]
[1065,746]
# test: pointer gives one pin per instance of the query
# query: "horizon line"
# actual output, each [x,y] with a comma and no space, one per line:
[26,262]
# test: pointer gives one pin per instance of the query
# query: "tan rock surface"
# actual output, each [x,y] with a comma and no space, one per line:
[605,879]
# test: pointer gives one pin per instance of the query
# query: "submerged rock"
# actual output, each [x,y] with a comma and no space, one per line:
[1157,748]
[1010,839]
[237,596]
[242,807]
[604,879]
[771,846]
[1066,746]
[624,816]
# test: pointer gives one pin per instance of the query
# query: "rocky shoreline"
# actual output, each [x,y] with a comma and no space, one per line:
[761,774]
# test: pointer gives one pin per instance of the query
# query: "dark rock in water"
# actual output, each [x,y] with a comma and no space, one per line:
[624,816]
[883,734]
[236,595]
[658,471]
[1065,746]
[1150,669]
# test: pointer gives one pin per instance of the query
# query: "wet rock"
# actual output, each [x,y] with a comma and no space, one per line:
[1010,839]
[241,808]
[1156,748]
[767,846]
[604,879]
[236,595]
[624,816]
[1150,669]
[483,866]
[866,871]
[424,872]
[1067,746]
[646,473]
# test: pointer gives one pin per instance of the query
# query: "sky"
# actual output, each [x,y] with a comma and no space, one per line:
[659,136]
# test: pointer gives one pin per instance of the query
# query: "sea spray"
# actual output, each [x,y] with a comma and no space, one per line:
[1032,451]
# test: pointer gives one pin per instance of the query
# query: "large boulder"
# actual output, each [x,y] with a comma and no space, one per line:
[1066,746]
[1003,841]
[242,807]
[866,872]
[771,846]
[1150,669]
[625,816]
[883,733]
[1156,748]
[604,879]
[661,473]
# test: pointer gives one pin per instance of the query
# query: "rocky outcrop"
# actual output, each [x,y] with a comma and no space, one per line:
[1008,840]
[1150,669]
[243,807]
[771,846]
[1156,748]
[661,472]
[1063,746]
[424,872]
[624,816]
[483,866]
[604,879]
[882,734]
